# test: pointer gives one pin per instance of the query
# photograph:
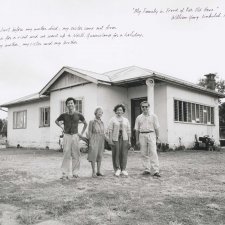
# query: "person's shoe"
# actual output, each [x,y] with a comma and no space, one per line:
[75,176]
[117,173]
[94,175]
[64,177]
[146,173]
[124,172]
[156,174]
[99,174]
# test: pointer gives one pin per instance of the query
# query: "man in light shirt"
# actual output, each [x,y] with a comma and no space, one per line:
[147,132]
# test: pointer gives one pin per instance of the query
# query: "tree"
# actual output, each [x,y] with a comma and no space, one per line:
[220,84]
[3,127]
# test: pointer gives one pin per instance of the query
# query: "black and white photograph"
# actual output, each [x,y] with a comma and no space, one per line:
[112,112]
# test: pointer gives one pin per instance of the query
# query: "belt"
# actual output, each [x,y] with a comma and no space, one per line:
[146,132]
[70,133]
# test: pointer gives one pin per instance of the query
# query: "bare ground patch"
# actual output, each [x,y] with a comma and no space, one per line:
[191,190]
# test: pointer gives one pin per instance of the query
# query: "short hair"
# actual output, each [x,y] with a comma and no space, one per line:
[71,99]
[118,106]
[96,110]
[144,102]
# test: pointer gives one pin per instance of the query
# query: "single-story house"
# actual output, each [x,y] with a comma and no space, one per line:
[183,108]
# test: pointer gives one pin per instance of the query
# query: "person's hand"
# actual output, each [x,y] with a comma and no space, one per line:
[129,145]
[157,140]
[80,136]
[111,143]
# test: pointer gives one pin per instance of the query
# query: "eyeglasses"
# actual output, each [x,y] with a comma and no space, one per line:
[144,106]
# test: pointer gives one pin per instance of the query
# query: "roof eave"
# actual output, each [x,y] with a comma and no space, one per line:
[7,105]
[167,80]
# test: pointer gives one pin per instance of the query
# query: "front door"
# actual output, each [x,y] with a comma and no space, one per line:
[135,111]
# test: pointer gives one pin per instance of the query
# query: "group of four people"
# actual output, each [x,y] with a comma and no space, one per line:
[118,135]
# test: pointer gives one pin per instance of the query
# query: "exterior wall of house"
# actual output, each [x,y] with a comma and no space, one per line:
[135,92]
[108,97]
[187,131]
[33,135]
[160,103]
[87,92]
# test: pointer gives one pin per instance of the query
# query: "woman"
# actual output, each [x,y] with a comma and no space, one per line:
[96,142]
[119,137]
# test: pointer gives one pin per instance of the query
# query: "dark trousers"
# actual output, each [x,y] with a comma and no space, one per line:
[119,154]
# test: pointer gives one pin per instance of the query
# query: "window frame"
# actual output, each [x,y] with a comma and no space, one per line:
[42,118]
[200,111]
[15,121]
[63,105]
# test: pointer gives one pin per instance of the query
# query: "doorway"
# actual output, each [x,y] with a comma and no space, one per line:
[135,111]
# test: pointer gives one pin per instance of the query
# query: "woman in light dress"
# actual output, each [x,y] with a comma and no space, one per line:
[119,138]
[96,135]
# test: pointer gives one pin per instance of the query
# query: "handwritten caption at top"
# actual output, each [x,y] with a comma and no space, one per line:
[60,35]
[185,13]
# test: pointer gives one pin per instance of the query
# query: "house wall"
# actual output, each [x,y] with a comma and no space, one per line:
[108,97]
[32,135]
[160,106]
[135,92]
[187,131]
[89,94]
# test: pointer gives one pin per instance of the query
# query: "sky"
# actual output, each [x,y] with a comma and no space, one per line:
[186,49]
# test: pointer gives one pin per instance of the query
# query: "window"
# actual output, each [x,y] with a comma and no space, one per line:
[193,110]
[45,117]
[201,113]
[20,119]
[79,106]
[185,111]
[212,115]
[189,112]
[193,113]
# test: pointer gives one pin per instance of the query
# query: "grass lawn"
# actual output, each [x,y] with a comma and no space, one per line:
[191,190]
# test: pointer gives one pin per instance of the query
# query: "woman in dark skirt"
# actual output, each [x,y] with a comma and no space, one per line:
[96,135]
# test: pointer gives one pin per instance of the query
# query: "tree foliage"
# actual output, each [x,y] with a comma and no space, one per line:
[220,84]
[3,127]
[220,87]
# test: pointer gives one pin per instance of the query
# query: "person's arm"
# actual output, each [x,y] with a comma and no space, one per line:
[84,127]
[110,131]
[90,129]
[157,133]
[156,126]
[129,132]
[59,123]
[137,132]
[82,119]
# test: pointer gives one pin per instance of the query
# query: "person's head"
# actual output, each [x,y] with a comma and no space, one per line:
[144,106]
[98,112]
[70,103]
[119,109]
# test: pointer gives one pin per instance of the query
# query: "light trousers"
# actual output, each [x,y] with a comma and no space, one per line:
[70,150]
[148,150]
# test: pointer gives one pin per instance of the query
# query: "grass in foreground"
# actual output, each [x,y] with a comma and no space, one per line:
[191,190]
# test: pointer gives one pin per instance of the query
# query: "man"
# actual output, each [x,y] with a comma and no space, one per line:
[147,132]
[68,122]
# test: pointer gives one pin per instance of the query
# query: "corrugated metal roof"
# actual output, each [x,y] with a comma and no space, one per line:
[97,76]
[119,76]
[132,73]
[28,98]
[128,73]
